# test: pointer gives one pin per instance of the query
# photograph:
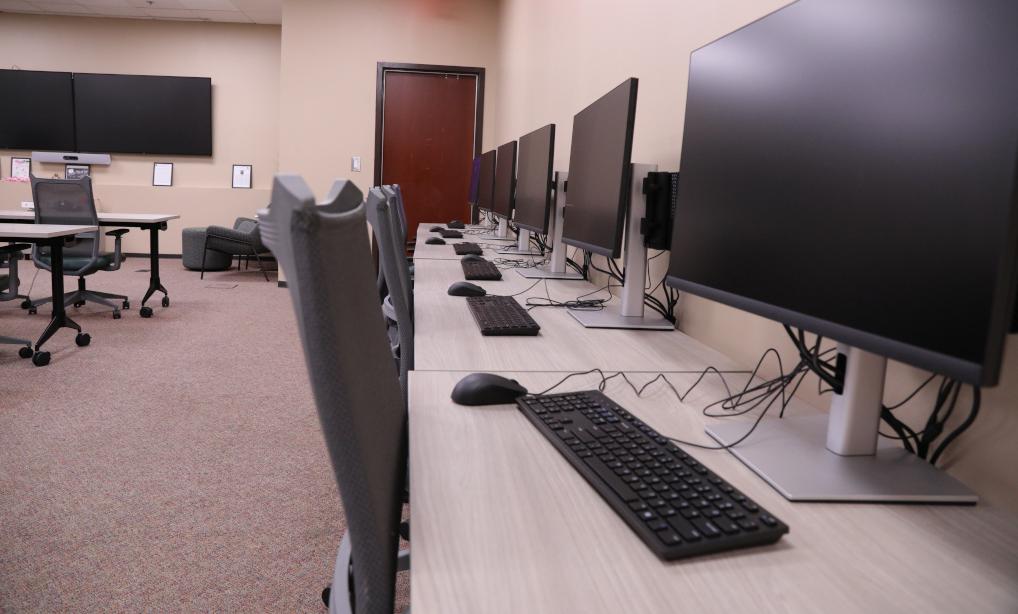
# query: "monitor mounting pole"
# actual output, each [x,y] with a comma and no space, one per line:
[556,267]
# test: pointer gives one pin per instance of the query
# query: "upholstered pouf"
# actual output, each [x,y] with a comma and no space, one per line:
[194,240]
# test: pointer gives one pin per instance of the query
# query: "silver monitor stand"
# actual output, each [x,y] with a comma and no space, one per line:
[838,457]
[556,267]
[629,313]
[500,233]
[522,247]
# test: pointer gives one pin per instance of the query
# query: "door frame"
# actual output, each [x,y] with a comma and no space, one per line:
[424,68]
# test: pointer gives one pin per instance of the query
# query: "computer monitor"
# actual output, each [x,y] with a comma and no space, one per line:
[534,179]
[599,172]
[475,179]
[486,181]
[860,184]
[505,181]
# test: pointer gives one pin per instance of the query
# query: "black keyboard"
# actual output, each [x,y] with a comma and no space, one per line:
[484,270]
[501,315]
[462,249]
[451,234]
[677,506]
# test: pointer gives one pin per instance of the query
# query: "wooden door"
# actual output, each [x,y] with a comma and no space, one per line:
[428,141]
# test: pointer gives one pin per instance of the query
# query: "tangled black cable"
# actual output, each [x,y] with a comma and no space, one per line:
[750,397]
[580,303]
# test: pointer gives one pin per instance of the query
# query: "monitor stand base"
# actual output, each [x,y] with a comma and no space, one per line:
[545,272]
[611,317]
[516,251]
[791,455]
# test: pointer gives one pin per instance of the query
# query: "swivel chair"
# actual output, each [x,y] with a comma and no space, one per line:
[331,279]
[70,201]
[9,255]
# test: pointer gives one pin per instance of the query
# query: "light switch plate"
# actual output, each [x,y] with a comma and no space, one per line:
[355,164]
[27,204]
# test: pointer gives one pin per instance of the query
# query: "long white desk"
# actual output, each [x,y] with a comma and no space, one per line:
[153,222]
[447,339]
[52,235]
[501,523]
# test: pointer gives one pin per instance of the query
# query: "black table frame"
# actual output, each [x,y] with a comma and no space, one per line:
[59,319]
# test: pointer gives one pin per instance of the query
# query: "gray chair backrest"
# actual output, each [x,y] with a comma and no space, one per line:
[398,212]
[326,254]
[344,196]
[397,276]
[66,201]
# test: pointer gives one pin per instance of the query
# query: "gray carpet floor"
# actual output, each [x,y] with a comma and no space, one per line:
[175,464]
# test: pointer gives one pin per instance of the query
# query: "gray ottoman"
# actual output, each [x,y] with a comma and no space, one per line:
[194,241]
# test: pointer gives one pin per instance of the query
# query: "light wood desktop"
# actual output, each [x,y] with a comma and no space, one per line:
[447,339]
[153,222]
[502,523]
[423,251]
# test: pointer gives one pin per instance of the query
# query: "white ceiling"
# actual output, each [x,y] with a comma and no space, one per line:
[233,11]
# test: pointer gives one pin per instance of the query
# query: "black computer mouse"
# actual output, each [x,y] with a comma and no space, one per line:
[435,241]
[486,389]
[465,288]
[437,229]
[458,225]
[472,257]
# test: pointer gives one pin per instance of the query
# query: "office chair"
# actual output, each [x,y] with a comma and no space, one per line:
[70,201]
[396,192]
[398,305]
[327,260]
[9,255]
[244,239]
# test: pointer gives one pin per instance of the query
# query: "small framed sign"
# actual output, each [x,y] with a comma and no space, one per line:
[21,169]
[242,175]
[75,171]
[162,173]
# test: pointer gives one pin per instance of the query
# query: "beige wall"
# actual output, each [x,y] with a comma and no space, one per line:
[329,56]
[557,57]
[243,62]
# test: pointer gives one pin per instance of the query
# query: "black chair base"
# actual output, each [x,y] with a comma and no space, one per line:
[83,295]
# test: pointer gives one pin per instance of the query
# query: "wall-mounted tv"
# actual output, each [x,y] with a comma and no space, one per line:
[143,114]
[36,110]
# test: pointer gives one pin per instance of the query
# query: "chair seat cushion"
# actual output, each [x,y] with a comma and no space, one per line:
[77,263]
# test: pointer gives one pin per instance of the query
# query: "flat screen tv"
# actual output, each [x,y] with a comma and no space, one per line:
[36,110]
[143,114]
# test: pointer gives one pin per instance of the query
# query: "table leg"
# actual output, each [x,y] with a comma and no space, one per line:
[59,319]
[154,284]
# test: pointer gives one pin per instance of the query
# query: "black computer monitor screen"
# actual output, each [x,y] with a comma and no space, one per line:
[599,172]
[849,167]
[534,179]
[36,110]
[143,114]
[505,180]
[475,172]
[486,181]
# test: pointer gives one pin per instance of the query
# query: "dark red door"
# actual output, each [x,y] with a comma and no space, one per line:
[428,142]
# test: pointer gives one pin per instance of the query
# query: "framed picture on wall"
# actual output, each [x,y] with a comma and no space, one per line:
[21,169]
[162,173]
[76,171]
[242,175]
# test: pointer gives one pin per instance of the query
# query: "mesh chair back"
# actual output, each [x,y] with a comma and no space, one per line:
[401,210]
[397,276]
[274,226]
[352,376]
[67,201]
[398,213]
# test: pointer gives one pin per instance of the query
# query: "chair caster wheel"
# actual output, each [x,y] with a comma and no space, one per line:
[26,304]
[126,305]
[32,311]
[146,312]
[116,315]
[325,595]
[41,359]
[166,301]
[83,339]
[25,352]
[79,303]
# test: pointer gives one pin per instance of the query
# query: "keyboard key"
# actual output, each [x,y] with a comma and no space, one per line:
[669,537]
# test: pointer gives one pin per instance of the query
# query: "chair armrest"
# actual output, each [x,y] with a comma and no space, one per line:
[117,256]
[14,248]
[119,232]
[221,232]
